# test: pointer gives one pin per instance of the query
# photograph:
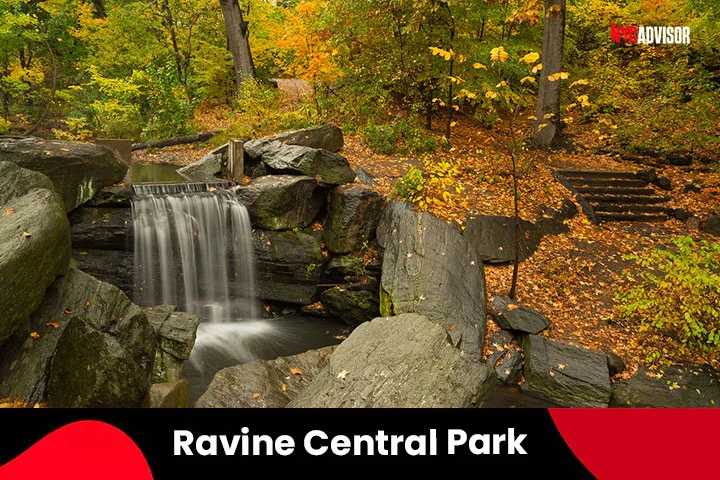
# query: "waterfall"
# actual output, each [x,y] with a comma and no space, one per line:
[193,249]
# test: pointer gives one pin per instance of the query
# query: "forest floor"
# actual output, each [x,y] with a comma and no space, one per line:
[573,277]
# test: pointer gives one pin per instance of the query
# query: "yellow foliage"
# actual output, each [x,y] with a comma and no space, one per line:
[498,53]
[558,76]
[530,58]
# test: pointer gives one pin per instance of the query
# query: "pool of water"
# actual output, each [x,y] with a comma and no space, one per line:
[221,345]
[156,173]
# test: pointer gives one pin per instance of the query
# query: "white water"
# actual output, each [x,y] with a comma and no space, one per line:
[193,249]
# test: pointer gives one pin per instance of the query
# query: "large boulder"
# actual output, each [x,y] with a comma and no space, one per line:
[327,167]
[289,266]
[78,170]
[565,375]
[264,383]
[108,332]
[351,306]
[34,243]
[404,361]
[325,137]
[101,228]
[669,387]
[353,214]
[209,167]
[281,202]
[429,268]
[176,332]
[492,238]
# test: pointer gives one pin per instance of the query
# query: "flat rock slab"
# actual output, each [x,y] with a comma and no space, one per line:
[566,375]
[77,170]
[34,243]
[509,316]
[403,362]
[668,387]
[429,268]
[264,383]
[328,167]
[325,137]
[281,202]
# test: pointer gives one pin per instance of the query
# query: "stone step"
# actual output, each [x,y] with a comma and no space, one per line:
[615,191]
[627,200]
[629,217]
[610,182]
[615,208]
[576,174]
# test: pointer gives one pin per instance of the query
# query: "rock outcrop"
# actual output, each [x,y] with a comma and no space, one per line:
[429,268]
[404,361]
[77,170]
[34,243]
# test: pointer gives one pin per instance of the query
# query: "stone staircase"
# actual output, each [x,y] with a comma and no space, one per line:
[608,196]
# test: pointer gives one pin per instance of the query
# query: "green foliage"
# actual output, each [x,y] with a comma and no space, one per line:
[410,186]
[168,107]
[677,294]
[398,137]
[669,98]
[259,113]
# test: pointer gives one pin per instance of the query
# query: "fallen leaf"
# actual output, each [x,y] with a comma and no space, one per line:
[296,371]
[26,234]
[284,387]
[341,375]
[52,324]
[9,211]
[451,327]
[256,395]
[34,335]
[67,311]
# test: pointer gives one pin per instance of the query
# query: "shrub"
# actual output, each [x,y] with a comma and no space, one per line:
[439,185]
[399,137]
[677,294]
[260,112]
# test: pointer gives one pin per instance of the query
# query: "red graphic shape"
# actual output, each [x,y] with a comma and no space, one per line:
[81,451]
[638,443]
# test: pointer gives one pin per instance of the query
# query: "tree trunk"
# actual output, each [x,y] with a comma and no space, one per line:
[549,95]
[100,11]
[170,142]
[238,42]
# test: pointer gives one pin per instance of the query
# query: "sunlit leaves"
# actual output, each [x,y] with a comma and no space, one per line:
[537,68]
[446,54]
[498,54]
[582,81]
[527,79]
[530,58]
[558,76]
[478,66]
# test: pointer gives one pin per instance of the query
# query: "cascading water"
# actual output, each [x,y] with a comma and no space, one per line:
[193,249]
